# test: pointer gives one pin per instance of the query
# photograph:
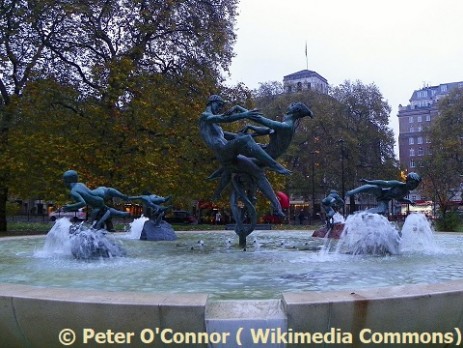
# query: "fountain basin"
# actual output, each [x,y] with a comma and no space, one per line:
[35,315]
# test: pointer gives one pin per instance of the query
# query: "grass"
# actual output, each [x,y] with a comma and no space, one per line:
[16,228]
[38,228]
[26,228]
[42,228]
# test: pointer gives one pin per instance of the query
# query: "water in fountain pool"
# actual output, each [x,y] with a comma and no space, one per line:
[278,261]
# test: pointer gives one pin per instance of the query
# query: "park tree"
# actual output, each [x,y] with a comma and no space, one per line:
[443,166]
[25,28]
[102,44]
[164,152]
[43,141]
[150,61]
[118,55]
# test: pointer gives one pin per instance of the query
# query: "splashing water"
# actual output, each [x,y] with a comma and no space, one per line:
[418,235]
[338,218]
[135,228]
[79,241]
[88,243]
[368,233]
[57,242]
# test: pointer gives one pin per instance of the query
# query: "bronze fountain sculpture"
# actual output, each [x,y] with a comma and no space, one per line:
[243,160]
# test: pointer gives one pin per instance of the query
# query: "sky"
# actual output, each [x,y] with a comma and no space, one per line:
[399,45]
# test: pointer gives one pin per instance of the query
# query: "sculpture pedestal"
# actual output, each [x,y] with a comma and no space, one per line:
[157,231]
[335,232]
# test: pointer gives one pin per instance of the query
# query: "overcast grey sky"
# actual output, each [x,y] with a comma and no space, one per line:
[399,45]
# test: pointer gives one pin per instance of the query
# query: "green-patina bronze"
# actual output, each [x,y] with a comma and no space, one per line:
[95,199]
[243,160]
[385,191]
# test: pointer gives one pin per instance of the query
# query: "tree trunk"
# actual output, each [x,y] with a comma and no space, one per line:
[3,177]
[3,200]
[353,207]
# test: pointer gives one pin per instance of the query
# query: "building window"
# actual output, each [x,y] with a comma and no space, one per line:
[412,163]
[412,152]
[419,119]
[443,88]
[428,118]
[420,151]
[411,141]
[419,140]
[428,141]
[420,129]
[412,129]
[299,86]
[410,119]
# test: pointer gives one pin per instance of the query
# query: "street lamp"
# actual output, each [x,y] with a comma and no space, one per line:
[313,153]
[343,190]
[461,190]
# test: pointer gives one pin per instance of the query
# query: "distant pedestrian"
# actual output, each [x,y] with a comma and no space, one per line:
[301,217]
[218,218]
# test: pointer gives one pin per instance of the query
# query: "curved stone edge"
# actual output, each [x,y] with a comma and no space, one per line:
[33,316]
[429,308]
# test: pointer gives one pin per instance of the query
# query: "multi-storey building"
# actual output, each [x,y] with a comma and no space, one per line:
[304,80]
[414,119]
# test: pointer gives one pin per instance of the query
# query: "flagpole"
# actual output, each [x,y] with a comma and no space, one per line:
[306,57]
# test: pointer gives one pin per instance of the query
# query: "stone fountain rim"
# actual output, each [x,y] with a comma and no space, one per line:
[133,297]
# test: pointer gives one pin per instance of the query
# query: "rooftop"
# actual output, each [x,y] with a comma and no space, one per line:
[304,74]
